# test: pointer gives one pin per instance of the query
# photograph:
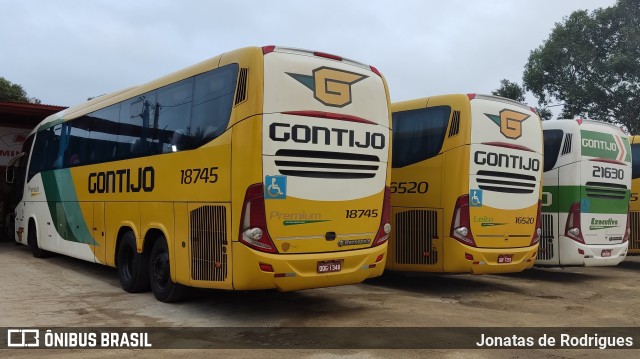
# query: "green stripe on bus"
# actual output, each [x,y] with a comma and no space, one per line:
[50,124]
[64,208]
[558,199]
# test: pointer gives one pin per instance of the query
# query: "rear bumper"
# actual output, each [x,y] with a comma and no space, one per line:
[299,271]
[485,260]
[592,254]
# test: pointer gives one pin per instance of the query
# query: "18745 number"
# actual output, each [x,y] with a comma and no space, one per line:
[199,175]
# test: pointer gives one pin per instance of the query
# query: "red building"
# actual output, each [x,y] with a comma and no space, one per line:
[16,121]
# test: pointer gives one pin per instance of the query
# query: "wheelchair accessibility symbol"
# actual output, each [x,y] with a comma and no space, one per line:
[275,187]
[475,198]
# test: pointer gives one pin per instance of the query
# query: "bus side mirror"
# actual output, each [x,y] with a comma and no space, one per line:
[9,175]
[10,172]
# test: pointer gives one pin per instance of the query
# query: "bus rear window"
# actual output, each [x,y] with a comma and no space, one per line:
[552,142]
[418,134]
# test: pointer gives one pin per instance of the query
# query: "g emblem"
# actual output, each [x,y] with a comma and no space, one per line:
[332,87]
[510,123]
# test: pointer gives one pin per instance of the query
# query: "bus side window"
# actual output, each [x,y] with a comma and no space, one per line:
[174,111]
[552,142]
[20,174]
[103,134]
[77,143]
[26,148]
[45,151]
[418,134]
[136,119]
[212,103]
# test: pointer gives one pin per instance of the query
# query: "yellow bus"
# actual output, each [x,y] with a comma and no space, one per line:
[465,190]
[634,204]
[259,168]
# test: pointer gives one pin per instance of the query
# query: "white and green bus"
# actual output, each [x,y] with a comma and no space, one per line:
[585,202]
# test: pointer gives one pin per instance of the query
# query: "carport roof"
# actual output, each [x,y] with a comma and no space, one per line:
[25,115]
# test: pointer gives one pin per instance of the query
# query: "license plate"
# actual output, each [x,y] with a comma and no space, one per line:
[329,266]
[606,253]
[505,258]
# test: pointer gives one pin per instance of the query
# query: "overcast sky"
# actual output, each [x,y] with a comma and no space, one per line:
[64,51]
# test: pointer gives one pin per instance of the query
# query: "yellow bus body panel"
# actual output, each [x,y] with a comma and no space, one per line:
[299,271]
[634,207]
[447,175]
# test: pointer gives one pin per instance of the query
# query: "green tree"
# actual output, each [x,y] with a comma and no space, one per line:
[516,92]
[14,92]
[591,63]
[544,113]
[510,90]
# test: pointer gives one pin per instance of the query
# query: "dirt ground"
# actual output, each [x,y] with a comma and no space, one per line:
[65,292]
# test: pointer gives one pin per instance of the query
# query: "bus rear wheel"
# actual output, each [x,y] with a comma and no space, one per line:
[32,241]
[164,289]
[133,267]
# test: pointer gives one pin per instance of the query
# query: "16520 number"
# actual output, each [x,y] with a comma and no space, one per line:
[409,187]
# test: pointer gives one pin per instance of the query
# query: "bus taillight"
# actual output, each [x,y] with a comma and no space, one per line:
[537,231]
[327,56]
[627,231]
[268,49]
[573,229]
[385,222]
[253,231]
[460,223]
[375,71]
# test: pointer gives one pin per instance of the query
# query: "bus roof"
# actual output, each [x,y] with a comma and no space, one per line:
[121,95]
[422,102]
[204,66]
[576,124]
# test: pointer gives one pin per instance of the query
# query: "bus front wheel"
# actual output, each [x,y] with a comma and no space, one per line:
[164,289]
[133,268]
[32,241]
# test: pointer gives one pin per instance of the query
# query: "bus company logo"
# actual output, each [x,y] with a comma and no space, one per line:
[327,136]
[275,187]
[332,87]
[486,221]
[603,223]
[599,144]
[603,145]
[510,122]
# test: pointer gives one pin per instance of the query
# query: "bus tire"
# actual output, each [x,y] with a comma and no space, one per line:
[163,288]
[133,267]
[32,241]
